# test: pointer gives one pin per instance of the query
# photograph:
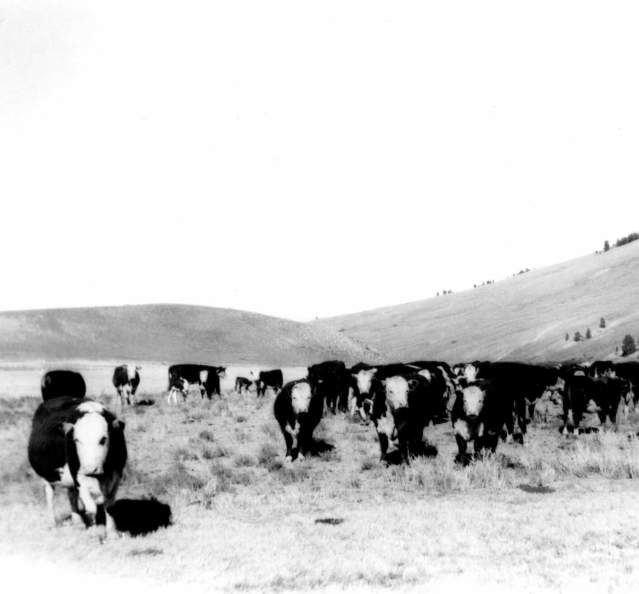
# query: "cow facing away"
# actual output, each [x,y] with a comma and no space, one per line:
[269,379]
[126,379]
[78,445]
[185,375]
[298,410]
[331,381]
[62,382]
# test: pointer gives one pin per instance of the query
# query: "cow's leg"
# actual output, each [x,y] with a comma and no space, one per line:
[90,506]
[291,438]
[462,448]
[383,445]
[76,517]
[48,494]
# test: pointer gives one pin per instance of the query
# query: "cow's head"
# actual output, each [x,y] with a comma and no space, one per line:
[89,439]
[473,399]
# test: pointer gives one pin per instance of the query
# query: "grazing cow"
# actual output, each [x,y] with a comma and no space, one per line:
[298,409]
[607,396]
[126,379]
[242,384]
[62,382]
[331,381]
[401,408]
[205,377]
[269,379]
[79,445]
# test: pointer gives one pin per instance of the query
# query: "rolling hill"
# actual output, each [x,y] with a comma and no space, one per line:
[170,333]
[525,317]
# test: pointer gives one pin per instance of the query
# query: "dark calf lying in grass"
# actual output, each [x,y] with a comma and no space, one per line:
[298,410]
[140,516]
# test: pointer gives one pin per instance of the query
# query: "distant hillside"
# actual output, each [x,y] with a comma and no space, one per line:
[170,333]
[525,317]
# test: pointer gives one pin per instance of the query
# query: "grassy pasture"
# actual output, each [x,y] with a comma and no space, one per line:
[558,514]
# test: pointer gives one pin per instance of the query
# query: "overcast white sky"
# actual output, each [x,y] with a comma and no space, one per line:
[307,159]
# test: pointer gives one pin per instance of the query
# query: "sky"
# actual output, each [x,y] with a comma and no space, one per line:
[306,159]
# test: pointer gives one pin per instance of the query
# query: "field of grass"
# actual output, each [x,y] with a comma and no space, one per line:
[555,515]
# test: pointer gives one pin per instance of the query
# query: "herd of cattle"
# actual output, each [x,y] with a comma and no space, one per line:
[77,443]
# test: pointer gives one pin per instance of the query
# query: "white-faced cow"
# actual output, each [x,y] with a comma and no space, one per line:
[298,409]
[78,445]
[126,379]
[62,382]
[402,406]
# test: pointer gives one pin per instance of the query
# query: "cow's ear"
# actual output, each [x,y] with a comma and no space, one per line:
[373,370]
[66,428]
[412,384]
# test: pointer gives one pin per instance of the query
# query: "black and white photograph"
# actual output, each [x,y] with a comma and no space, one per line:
[329,297]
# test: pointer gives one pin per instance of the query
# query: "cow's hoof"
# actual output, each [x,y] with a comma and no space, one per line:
[300,457]
[288,459]
[518,438]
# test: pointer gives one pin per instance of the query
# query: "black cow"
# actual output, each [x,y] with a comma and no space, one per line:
[402,406]
[629,370]
[242,384]
[269,379]
[602,369]
[206,377]
[79,445]
[126,379]
[62,382]
[298,409]
[444,383]
[519,385]
[604,395]
[331,381]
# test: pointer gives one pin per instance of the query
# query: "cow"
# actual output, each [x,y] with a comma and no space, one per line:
[205,377]
[602,369]
[367,380]
[606,396]
[402,406]
[79,445]
[269,379]
[242,384]
[298,409]
[521,384]
[332,381]
[629,370]
[443,381]
[126,379]
[62,382]
[480,411]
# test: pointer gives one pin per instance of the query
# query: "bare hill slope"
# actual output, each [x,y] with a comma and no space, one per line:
[169,333]
[524,317]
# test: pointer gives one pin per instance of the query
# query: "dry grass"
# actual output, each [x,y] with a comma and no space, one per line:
[552,514]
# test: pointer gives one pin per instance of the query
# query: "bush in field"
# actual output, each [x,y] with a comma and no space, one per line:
[602,323]
[567,337]
[577,336]
[628,345]
[588,334]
